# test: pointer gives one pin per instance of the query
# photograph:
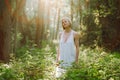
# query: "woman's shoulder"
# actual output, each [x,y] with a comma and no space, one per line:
[76,34]
[60,33]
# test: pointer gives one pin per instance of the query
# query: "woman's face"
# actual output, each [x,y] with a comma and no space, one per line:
[65,23]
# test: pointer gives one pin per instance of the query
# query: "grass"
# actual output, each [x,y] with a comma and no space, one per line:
[39,64]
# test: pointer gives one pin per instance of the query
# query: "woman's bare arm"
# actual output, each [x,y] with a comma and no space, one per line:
[58,51]
[76,39]
[58,54]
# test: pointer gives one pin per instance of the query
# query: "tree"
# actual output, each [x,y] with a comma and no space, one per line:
[40,24]
[110,21]
[5,34]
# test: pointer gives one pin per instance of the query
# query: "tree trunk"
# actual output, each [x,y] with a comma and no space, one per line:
[5,34]
[16,21]
[110,26]
[57,29]
[72,10]
[40,24]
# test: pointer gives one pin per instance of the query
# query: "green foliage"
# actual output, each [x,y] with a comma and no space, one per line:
[99,23]
[95,65]
[35,64]
[29,64]
[7,73]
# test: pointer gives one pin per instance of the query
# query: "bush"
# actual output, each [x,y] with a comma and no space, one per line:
[29,64]
[34,64]
[95,64]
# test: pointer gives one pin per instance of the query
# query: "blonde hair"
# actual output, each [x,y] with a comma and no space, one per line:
[68,19]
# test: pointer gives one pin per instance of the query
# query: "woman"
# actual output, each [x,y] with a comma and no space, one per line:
[68,50]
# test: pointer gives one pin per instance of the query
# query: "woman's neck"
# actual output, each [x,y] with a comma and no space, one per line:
[67,30]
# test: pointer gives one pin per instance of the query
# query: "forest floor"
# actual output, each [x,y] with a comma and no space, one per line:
[39,64]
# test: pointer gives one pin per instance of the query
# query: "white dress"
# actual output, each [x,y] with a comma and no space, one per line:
[67,53]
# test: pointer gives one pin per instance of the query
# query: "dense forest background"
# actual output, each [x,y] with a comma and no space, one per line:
[28,26]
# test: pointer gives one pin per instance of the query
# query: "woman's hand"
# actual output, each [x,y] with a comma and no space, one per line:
[76,61]
[57,64]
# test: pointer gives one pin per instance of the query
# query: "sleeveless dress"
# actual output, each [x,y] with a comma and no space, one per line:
[67,53]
